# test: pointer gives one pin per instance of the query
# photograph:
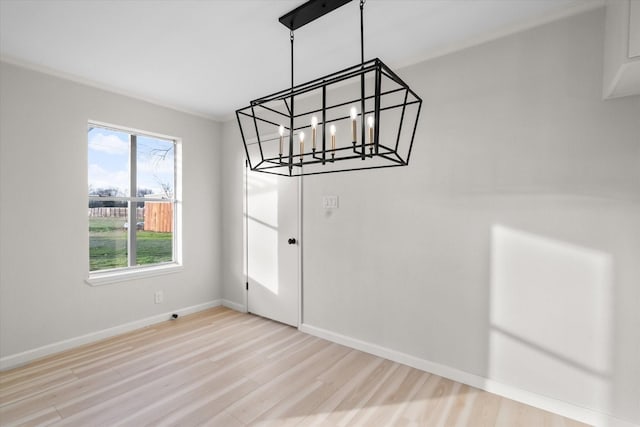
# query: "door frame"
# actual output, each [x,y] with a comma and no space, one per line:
[300,251]
[245,241]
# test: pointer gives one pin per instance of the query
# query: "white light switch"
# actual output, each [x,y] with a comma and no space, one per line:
[330,202]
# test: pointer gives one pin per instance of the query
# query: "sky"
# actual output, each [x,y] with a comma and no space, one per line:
[109,161]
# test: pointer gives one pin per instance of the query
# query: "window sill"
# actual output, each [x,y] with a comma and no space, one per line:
[98,279]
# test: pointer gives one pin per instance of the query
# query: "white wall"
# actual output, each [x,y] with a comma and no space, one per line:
[509,248]
[43,212]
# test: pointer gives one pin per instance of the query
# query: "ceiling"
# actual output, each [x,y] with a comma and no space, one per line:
[210,57]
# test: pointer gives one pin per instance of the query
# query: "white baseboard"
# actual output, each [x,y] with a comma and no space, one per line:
[15,360]
[559,407]
[234,306]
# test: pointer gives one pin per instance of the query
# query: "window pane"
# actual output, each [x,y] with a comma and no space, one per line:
[107,237]
[108,163]
[155,165]
[154,238]
[131,187]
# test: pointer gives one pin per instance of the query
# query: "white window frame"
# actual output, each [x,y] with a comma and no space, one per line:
[131,272]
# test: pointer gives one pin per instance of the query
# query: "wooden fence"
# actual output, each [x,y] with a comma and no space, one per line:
[112,212]
[157,216]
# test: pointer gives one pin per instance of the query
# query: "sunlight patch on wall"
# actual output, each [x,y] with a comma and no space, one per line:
[550,316]
[263,231]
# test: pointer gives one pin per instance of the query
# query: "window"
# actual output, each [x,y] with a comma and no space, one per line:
[132,201]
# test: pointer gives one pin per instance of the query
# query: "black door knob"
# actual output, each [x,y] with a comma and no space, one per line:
[292,240]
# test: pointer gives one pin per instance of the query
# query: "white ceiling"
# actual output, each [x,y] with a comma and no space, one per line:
[211,57]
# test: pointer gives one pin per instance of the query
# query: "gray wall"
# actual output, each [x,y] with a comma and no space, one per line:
[509,247]
[43,212]
[233,275]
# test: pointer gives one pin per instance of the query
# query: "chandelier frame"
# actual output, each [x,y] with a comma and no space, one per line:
[388,95]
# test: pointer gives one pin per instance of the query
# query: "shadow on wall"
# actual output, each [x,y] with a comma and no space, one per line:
[551,317]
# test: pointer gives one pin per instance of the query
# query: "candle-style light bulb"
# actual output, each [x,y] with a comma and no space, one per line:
[314,125]
[354,114]
[281,132]
[301,136]
[370,123]
[332,130]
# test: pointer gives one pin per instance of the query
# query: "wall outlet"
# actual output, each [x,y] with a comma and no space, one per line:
[158,297]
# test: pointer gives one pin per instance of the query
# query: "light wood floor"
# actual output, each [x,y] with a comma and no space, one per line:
[220,367]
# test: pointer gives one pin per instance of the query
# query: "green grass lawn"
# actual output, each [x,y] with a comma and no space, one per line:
[108,245]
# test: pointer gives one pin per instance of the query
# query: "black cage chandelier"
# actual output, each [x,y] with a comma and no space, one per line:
[362,117]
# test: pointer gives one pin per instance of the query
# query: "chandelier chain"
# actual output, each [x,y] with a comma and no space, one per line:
[291,121]
[362,2]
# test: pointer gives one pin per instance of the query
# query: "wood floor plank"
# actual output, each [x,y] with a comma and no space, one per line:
[208,407]
[379,408]
[213,384]
[50,398]
[161,348]
[429,403]
[26,373]
[485,409]
[232,370]
[366,364]
[286,412]
[286,379]
[461,404]
[328,383]
[88,351]
[34,387]
[43,417]
[219,367]
[387,405]
[122,385]
[108,412]
[355,401]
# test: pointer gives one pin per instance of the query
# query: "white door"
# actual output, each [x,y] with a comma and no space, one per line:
[272,256]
